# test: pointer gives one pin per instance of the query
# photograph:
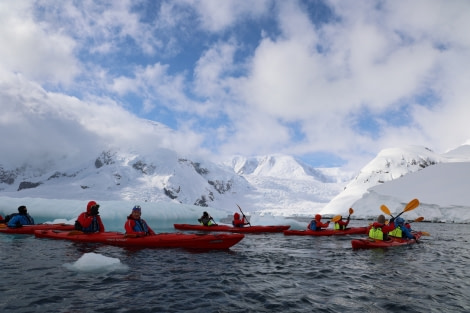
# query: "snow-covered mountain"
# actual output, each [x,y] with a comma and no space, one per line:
[276,185]
[271,183]
[398,175]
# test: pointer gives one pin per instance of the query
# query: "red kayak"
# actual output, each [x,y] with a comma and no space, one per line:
[369,243]
[327,232]
[29,229]
[227,228]
[163,240]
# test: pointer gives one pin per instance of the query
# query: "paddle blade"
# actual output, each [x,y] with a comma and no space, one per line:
[351,211]
[384,209]
[425,233]
[419,219]
[336,218]
[413,204]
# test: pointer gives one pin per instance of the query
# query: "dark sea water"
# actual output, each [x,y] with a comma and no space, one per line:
[263,273]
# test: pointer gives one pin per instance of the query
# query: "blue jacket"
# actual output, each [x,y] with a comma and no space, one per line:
[20,219]
[406,232]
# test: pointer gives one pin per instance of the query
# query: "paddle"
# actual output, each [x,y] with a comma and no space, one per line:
[413,204]
[243,215]
[336,218]
[418,219]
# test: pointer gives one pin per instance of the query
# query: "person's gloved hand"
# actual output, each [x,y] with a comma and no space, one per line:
[392,220]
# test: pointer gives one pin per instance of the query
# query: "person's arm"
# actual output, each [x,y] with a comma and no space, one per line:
[388,228]
[150,230]
[100,222]
[324,225]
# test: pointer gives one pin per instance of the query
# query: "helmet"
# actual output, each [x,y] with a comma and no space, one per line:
[317,217]
[399,221]
[236,216]
[136,208]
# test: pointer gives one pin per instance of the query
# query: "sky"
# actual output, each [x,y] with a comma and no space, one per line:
[329,82]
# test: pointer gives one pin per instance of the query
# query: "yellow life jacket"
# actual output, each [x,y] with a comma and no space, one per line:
[339,227]
[376,233]
[397,232]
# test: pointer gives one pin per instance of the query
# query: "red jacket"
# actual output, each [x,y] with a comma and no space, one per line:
[86,221]
[237,222]
[137,227]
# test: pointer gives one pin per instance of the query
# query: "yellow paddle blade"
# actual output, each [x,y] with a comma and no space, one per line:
[3,225]
[413,204]
[419,219]
[336,218]
[351,211]
[425,233]
[384,209]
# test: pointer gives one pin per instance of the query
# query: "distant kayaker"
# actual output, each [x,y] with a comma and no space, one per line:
[135,225]
[379,230]
[237,222]
[21,218]
[340,224]
[316,223]
[401,230]
[90,221]
[206,219]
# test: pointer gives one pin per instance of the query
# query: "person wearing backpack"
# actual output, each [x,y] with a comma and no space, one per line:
[21,218]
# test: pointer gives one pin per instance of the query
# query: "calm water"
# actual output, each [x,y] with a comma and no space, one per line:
[263,273]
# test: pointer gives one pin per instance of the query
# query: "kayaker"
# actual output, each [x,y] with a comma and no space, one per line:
[316,223]
[237,222]
[21,218]
[379,230]
[340,224]
[135,225]
[206,219]
[401,231]
[90,221]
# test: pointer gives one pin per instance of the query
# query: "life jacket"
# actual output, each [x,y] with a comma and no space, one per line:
[140,226]
[93,228]
[206,221]
[313,225]
[397,232]
[339,227]
[376,233]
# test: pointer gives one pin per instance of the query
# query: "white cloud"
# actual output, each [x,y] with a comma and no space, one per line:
[189,60]
[34,49]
